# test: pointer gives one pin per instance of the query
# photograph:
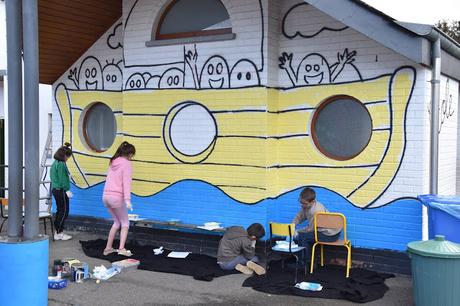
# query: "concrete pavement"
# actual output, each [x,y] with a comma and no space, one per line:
[138,287]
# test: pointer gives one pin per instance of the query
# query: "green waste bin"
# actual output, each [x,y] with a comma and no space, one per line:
[435,272]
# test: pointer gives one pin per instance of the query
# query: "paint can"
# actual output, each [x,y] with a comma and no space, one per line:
[79,276]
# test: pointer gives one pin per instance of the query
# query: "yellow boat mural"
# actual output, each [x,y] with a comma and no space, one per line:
[251,143]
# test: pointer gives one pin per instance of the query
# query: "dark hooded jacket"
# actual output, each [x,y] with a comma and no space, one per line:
[235,242]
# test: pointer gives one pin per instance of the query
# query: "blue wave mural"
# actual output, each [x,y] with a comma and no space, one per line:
[195,202]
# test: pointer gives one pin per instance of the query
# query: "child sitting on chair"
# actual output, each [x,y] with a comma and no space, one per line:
[237,249]
[310,206]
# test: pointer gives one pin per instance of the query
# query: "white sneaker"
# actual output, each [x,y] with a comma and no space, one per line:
[62,236]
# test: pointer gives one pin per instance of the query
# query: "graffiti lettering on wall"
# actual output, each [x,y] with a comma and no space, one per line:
[314,68]
[446,109]
[305,12]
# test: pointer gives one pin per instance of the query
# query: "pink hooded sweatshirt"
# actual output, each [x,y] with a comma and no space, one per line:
[118,182]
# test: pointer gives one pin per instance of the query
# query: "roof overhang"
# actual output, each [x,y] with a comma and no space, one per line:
[410,40]
[68,28]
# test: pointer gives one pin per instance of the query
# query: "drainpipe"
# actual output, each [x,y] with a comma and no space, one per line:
[31,111]
[14,65]
[435,94]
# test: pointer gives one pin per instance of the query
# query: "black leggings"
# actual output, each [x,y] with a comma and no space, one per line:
[62,211]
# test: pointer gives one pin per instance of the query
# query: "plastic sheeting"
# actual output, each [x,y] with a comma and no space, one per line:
[448,204]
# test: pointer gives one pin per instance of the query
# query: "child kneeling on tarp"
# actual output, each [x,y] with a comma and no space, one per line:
[237,249]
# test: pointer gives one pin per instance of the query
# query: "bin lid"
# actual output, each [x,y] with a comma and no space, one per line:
[437,247]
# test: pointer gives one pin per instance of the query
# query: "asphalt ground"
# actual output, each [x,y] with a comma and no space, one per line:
[139,287]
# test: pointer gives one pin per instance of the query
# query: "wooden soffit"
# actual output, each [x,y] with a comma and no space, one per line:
[67,28]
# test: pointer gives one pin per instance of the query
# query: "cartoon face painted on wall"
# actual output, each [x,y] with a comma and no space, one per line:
[172,78]
[313,69]
[90,74]
[135,81]
[113,77]
[244,74]
[215,73]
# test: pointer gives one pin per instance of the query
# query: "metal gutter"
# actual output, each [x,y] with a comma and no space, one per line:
[435,95]
[432,34]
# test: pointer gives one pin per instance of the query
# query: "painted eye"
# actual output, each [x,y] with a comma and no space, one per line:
[87,73]
[169,80]
[176,80]
[308,68]
[138,83]
[114,78]
[248,76]
[219,68]
[93,72]
[107,78]
[131,84]
[239,75]
[316,67]
[210,69]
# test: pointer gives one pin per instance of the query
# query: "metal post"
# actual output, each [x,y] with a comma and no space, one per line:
[31,105]
[14,62]
[435,94]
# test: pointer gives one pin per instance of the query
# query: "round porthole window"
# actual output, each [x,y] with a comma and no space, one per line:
[341,127]
[190,132]
[99,127]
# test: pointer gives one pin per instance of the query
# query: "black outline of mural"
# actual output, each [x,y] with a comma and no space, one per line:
[70,127]
[334,70]
[377,165]
[75,73]
[176,108]
[131,79]
[225,72]
[172,81]
[298,189]
[297,33]
[391,134]
[239,76]
[112,63]
[119,45]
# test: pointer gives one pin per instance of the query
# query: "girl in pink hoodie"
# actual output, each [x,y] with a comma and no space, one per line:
[117,196]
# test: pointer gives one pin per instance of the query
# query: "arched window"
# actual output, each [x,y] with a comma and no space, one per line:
[207,20]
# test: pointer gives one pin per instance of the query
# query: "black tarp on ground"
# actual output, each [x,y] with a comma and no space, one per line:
[362,285]
[201,267]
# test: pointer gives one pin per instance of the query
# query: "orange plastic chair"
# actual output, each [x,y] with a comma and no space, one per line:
[336,221]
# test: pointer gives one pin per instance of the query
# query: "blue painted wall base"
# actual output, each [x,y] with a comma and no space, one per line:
[24,272]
